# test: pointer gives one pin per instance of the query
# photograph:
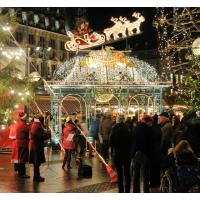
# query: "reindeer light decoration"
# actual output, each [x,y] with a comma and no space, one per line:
[124,27]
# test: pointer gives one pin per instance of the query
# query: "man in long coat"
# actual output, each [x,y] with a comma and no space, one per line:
[38,134]
[22,140]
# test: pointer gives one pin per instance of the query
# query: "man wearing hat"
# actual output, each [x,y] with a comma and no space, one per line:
[167,132]
[22,140]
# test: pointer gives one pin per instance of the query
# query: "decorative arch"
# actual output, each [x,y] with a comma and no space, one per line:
[141,105]
[79,99]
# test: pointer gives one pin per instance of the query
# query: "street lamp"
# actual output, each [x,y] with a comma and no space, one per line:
[196,47]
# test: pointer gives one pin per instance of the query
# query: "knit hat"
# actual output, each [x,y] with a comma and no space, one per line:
[164,114]
[147,118]
[22,115]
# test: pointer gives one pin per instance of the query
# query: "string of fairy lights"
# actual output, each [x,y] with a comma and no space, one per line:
[177,28]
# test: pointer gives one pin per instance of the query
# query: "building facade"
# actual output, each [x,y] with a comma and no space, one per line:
[41,32]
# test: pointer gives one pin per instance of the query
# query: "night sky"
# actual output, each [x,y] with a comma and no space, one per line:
[99,19]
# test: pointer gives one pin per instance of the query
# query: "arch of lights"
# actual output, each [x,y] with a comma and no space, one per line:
[102,75]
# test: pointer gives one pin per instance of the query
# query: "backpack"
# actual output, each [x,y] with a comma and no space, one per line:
[84,171]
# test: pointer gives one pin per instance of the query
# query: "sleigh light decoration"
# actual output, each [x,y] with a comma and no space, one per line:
[121,29]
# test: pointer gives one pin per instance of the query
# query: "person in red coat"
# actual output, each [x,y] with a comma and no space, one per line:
[67,139]
[22,141]
[38,134]
[12,136]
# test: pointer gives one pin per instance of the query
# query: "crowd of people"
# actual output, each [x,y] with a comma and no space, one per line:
[139,150]
[142,150]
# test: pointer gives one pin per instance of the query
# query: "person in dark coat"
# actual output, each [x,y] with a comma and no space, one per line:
[156,158]
[142,153]
[121,146]
[105,128]
[94,132]
[38,134]
[192,134]
[22,140]
[167,133]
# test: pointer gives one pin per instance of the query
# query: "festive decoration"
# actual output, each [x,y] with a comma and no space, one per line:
[106,67]
[84,42]
[81,38]
[103,95]
[178,31]
[123,26]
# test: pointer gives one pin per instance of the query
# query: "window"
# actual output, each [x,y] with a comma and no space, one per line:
[53,44]
[62,45]
[31,39]
[42,41]
[43,70]
[53,68]
[19,37]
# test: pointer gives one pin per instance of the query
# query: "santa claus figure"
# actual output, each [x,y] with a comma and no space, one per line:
[22,142]
[12,136]
[38,134]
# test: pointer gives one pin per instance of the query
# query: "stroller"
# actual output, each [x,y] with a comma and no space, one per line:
[180,179]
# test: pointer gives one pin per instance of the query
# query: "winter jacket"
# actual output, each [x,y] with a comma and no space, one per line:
[143,140]
[166,138]
[105,128]
[121,142]
[37,137]
[66,137]
[94,127]
[192,135]
[22,139]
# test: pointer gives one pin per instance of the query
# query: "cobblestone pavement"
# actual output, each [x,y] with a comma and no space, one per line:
[56,180]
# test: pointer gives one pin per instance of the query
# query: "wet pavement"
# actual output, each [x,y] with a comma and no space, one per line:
[56,179]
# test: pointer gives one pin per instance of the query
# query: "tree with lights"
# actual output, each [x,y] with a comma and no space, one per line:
[179,47]
[14,88]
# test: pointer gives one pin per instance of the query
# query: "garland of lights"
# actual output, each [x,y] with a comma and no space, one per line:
[179,49]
